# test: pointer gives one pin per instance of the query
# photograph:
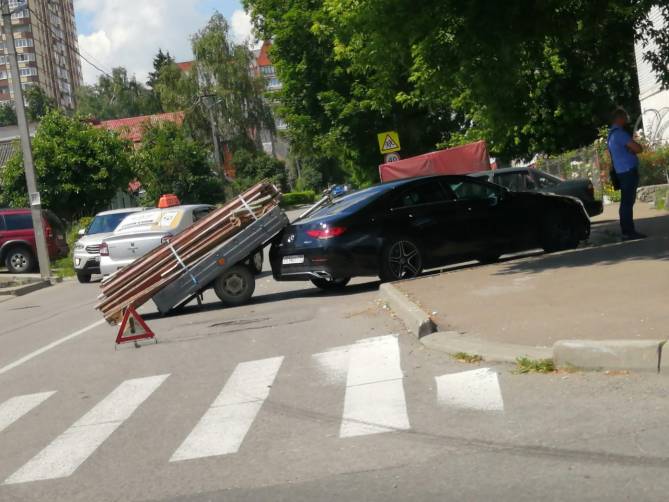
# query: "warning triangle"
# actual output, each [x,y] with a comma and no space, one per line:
[388,143]
[133,327]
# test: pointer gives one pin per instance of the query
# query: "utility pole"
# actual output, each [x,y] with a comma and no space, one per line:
[24,132]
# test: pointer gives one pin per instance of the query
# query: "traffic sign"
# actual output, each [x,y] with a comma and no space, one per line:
[391,157]
[389,142]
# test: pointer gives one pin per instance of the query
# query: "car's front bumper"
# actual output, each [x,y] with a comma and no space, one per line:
[86,262]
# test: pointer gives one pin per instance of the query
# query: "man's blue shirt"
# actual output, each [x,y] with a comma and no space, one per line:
[623,159]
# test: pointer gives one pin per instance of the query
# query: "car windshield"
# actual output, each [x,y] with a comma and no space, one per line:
[105,223]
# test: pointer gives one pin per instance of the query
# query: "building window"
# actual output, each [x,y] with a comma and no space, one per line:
[28,72]
[21,14]
[274,83]
[23,42]
[267,70]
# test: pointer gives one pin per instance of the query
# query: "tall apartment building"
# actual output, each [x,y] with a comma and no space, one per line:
[46,44]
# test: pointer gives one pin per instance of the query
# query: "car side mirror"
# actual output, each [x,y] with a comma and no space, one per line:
[81,232]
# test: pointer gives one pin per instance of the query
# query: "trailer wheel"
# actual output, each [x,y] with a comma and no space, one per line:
[235,286]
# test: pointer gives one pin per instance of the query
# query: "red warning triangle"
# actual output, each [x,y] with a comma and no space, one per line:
[389,143]
[135,326]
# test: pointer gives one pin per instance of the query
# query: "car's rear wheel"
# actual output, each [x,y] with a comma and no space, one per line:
[558,233]
[235,286]
[331,284]
[83,277]
[19,260]
[256,261]
[401,259]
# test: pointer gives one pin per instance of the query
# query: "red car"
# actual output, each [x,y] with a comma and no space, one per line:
[17,239]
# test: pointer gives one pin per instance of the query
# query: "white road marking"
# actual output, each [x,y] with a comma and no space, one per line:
[49,346]
[14,408]
[472,390]
[69,450]
[222,428]
[334,363]
[375,400]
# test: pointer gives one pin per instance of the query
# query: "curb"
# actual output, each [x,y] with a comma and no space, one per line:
[415,319]
[638,355]
[24,289]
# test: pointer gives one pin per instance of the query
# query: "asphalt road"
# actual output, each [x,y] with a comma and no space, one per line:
[302,395]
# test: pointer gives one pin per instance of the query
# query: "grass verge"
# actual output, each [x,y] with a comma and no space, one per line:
[464,357]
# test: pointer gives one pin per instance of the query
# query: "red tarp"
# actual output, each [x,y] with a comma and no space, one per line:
[463,159]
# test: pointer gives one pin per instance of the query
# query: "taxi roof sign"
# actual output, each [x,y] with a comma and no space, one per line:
[389,142]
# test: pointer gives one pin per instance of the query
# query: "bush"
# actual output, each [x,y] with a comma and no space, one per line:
[653,166]
[252,167]
[297,198]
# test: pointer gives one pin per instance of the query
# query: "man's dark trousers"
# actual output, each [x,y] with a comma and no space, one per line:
[629,182]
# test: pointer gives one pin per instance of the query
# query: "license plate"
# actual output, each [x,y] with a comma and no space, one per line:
[293,260]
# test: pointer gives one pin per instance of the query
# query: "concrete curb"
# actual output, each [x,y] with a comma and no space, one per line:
[638,355]
[453,342]
[24,289]
[415,319]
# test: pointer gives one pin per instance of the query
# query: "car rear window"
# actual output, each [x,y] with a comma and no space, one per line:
[106,223]
[22,221]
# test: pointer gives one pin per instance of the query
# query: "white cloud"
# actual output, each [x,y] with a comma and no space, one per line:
[129,32]
[241,26]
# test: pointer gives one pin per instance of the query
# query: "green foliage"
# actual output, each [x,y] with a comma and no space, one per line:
[654,166]
[78,166]
[161,61]
[39,104]
[465,357]
[169,161]
[116,96]
[252,166]
[529,77]
[7,115]
[218,87]
[528,365]
[297,198]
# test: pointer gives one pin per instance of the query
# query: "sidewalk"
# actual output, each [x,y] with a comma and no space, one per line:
[614,291]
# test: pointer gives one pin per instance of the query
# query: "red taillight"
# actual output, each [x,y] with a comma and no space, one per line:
[104,249]
[166,238]
[326,232]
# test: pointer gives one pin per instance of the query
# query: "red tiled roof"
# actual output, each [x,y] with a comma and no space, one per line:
[185,65]
[131,128]
[263,57]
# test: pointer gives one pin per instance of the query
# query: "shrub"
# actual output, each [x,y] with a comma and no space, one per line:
[297,198]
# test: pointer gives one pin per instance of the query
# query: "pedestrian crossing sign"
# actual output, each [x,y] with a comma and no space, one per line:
[389,142]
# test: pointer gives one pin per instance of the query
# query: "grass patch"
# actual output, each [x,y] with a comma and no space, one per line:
[526,365]
[464,357]
[63,267]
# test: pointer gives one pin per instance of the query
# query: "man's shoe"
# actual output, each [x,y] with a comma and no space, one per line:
[635,236]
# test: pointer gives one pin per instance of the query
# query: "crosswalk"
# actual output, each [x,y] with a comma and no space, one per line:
[374,403]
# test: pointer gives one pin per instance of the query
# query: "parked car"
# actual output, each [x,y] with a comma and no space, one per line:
[522,179]
[18,250]
[139,233]
[86,254]
[395,230]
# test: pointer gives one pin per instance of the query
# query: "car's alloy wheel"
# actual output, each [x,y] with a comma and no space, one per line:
[235,286]
[402,260]
[19,261]
[331,284]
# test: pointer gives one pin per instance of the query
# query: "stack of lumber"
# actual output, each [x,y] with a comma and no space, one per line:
[137,283]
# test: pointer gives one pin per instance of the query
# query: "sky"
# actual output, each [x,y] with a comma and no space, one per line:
[129,32]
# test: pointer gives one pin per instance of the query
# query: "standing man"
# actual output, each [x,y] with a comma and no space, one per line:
[624,151]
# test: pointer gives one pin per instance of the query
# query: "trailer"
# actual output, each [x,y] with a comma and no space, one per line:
[223,269]
[215,252]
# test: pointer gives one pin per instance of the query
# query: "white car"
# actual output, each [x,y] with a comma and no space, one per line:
[139,233]
[86,254]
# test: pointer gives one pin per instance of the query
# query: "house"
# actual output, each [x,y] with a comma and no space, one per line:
[132,128]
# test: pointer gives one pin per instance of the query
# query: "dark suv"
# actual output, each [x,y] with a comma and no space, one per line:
[17,239]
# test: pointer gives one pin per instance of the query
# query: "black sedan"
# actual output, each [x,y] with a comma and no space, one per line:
[395,230]
[529,179]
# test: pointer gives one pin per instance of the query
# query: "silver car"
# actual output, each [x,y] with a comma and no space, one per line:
[139,233]
[86,254]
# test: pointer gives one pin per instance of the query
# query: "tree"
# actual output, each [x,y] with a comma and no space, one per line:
[161,61]
[116,96]
[526,76]
[220,86]
[169,161]
[39,104]
[7,115]
[251,167]
[79,167]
